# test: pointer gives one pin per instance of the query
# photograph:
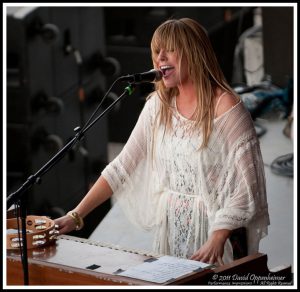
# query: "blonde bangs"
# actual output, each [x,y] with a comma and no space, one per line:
[166,37]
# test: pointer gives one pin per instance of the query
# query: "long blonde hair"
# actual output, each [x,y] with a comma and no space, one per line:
[189,39]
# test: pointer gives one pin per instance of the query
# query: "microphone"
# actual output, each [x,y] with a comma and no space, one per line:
[150,76]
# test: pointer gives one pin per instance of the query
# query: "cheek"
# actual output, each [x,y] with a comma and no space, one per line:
[154,60]
[184,76]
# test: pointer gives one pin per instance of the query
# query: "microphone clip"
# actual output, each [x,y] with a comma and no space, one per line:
[149,76]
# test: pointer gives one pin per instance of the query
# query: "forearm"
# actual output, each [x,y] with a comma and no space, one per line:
[98,194]
[221,235]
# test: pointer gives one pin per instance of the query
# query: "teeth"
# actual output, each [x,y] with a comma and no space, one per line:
[166,67]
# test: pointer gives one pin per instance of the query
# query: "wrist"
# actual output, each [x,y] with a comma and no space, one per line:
[222,234]
[78,220]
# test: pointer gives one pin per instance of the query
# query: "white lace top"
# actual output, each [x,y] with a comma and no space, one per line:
[165,182]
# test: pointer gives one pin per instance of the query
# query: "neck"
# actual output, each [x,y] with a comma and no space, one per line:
[187,93]
[186,101]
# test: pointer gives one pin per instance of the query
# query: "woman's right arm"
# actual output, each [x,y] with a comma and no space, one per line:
[111,180]
[99,193]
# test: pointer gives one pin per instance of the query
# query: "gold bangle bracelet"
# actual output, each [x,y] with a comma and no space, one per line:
[77,220]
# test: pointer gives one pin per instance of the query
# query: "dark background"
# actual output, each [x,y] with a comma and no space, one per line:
[62,60]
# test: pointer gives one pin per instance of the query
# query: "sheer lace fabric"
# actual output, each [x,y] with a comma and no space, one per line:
[164,182]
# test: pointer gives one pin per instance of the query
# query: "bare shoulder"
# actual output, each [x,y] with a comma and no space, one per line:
[224,103]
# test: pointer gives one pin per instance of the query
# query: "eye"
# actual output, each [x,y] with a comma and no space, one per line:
[155,52]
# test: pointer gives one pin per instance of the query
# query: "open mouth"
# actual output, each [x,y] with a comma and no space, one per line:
[166,70]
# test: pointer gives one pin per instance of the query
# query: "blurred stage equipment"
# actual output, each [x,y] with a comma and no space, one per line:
[48,51]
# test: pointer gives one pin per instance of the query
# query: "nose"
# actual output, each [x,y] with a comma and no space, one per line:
[162,55]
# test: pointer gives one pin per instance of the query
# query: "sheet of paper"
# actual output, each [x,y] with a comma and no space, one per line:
[163,269]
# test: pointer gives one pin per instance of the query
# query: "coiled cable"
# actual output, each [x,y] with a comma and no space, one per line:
[284,165]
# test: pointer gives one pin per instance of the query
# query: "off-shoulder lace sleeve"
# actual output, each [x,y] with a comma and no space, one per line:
[236,182]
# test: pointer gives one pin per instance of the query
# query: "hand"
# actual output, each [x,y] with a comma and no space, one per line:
[65,224]
[212,250]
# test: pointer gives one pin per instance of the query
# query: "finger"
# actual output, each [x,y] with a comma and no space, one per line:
[63,230]
[58,226]
[195,257]
[203,259]
[212,260]
[220,261]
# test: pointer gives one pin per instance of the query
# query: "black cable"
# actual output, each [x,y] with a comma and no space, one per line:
[260,130]
[283,165]
[100,104]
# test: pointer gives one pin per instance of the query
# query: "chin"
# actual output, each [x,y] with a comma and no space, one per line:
[169,84]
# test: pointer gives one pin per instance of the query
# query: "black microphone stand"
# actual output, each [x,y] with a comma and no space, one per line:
[18,195]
